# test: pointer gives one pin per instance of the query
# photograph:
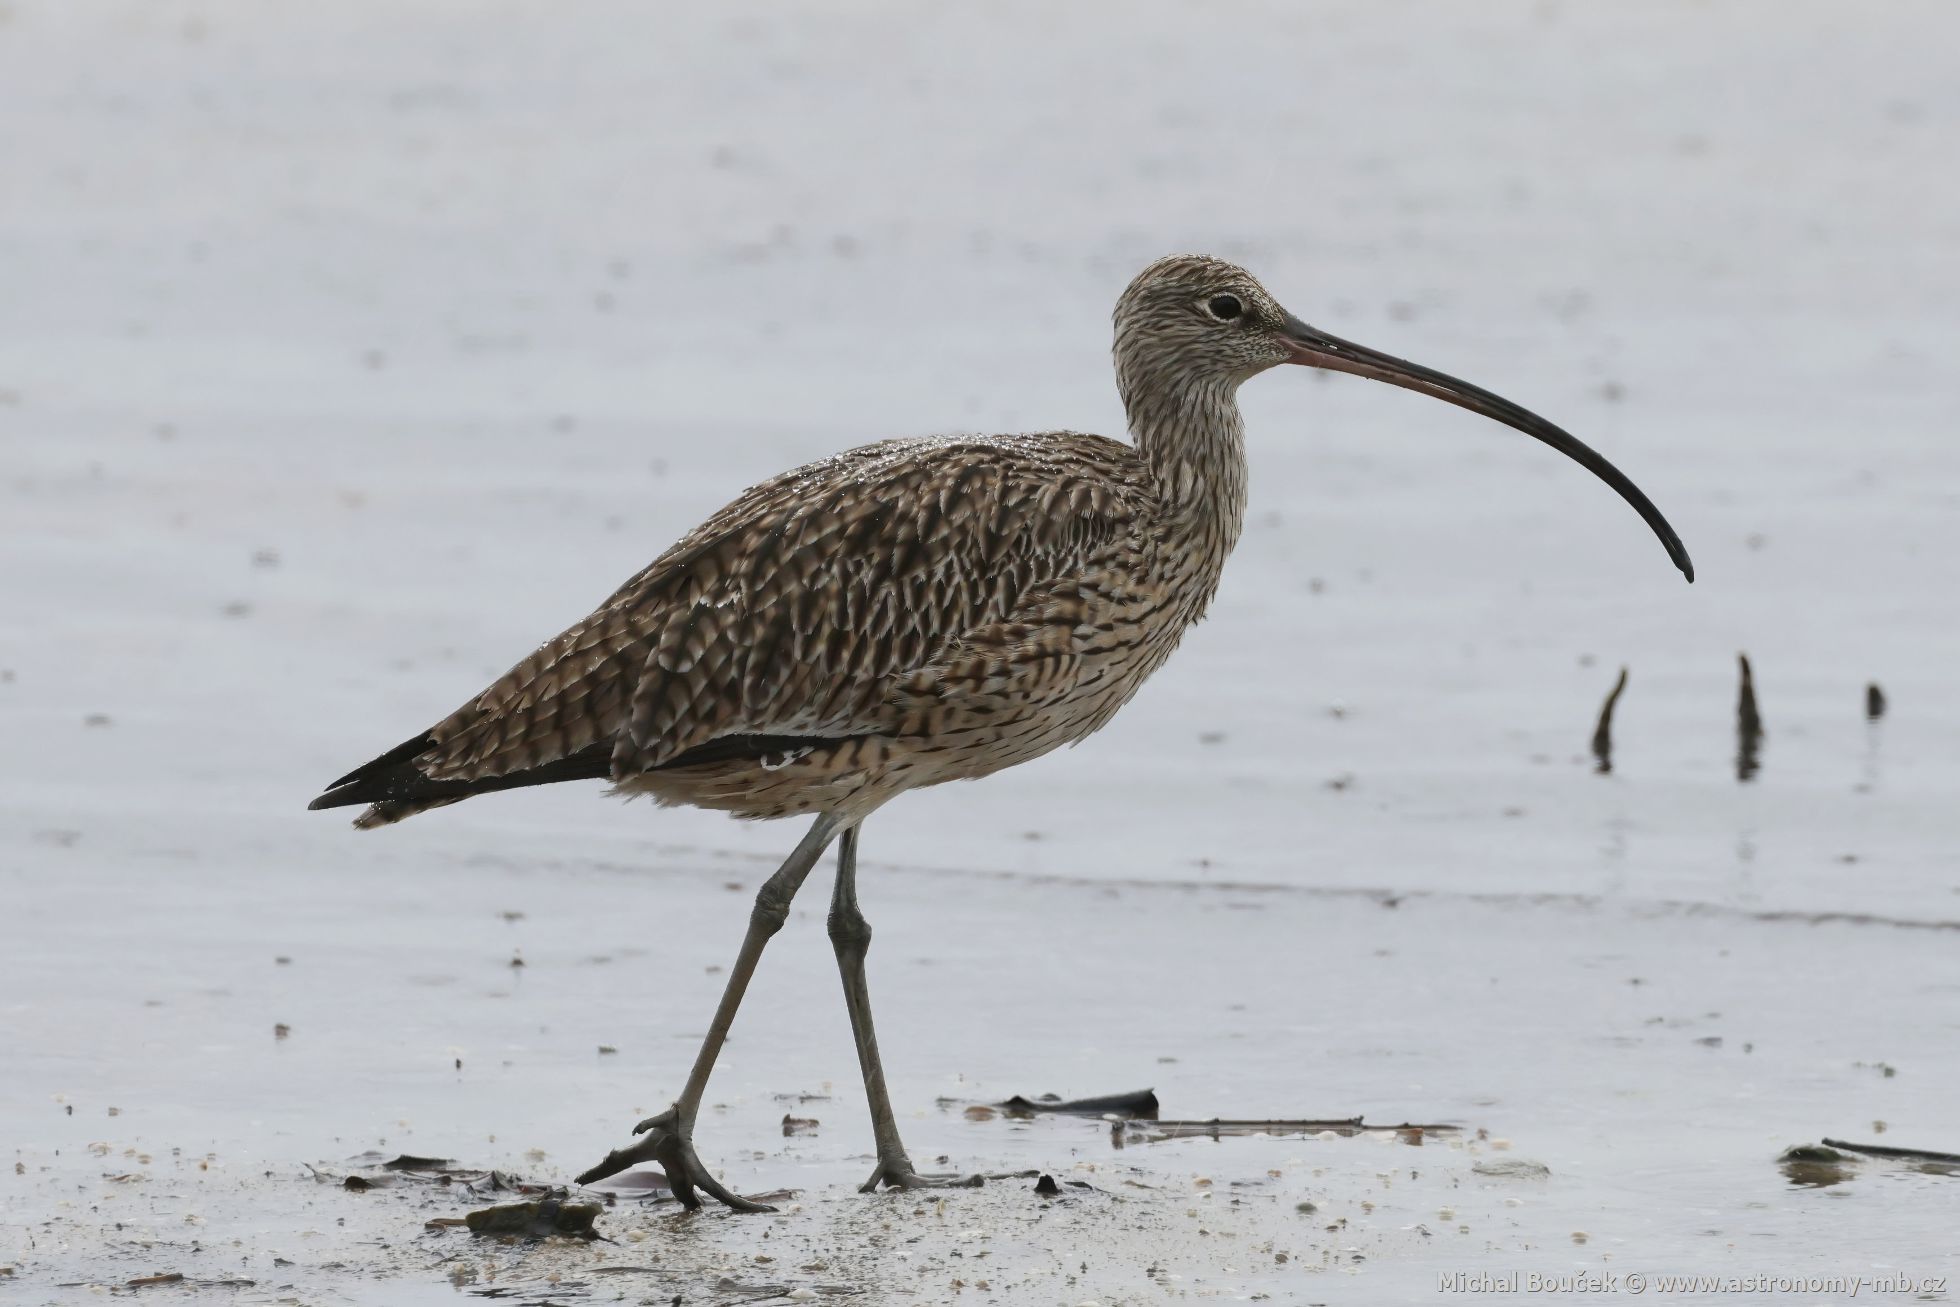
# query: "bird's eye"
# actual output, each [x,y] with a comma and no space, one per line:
[1225,307]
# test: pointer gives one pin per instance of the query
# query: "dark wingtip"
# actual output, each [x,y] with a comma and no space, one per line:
[359,785]
[400,753]
[333,798]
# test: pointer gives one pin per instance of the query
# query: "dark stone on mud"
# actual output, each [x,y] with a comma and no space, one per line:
[408,1162]
[538,1219]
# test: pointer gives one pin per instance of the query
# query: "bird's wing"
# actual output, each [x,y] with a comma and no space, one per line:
[803,606]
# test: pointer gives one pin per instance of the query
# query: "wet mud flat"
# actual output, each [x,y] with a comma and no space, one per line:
[380,358]
[1618,1081]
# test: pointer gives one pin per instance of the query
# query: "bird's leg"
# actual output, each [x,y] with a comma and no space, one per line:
[669,1137]
[850,936]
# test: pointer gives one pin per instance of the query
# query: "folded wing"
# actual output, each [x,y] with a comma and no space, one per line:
[819,604]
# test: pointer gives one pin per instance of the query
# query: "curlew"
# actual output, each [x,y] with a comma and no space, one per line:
[903,614]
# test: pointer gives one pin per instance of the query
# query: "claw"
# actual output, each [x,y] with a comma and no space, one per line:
[664,1143]
[684,1171]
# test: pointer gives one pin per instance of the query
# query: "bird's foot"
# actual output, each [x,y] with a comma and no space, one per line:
[665,1141]
[897,1173]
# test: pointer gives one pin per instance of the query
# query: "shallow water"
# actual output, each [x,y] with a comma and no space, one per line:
[1655,1062]
[338,368]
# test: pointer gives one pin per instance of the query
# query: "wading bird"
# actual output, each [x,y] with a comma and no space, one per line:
[903,614]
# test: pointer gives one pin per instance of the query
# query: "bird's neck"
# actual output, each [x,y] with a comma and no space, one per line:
[1193,441]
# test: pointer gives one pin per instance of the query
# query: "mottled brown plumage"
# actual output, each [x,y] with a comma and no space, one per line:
[907,613]
[903,614]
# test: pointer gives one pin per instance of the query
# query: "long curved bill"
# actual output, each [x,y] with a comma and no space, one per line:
[1317,349]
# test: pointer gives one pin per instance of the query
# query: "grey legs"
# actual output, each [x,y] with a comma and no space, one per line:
[669,1137]
[850,937]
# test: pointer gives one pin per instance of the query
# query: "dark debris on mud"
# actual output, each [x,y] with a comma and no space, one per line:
[1136,1117]
[1834,1161]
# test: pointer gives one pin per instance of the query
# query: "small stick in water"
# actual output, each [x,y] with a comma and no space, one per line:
[1602,740]
[1748,727]
[1138,1103]
[1874,702]
[1880,1150]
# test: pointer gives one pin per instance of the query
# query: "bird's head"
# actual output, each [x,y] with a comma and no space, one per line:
[1199,319]
[1191,326]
